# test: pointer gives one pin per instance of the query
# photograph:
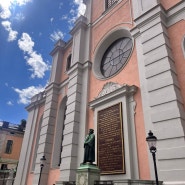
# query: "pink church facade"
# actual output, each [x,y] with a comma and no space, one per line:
[123,52]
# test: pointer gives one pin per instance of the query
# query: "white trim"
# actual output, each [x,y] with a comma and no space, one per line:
[104,44]
[183,46]
[174,183]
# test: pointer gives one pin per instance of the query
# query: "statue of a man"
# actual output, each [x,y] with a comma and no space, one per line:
[89,147]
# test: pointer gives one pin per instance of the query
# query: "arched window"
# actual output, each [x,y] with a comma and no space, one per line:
[58,138]
[68,65]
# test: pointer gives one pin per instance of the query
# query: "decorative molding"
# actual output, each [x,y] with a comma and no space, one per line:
[108,88]
[82,179]
[112,91]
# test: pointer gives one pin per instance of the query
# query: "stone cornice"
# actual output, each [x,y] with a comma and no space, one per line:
[59,46]
[36,101]
[168,17]
[79,66]
[81,22]
[112,91]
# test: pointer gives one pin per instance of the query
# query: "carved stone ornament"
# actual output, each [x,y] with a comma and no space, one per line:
[108,88]
[82,179]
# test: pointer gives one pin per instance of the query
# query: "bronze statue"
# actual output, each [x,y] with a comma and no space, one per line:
[89,147]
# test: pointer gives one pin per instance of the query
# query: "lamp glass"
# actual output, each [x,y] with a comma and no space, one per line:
[42,160]
[152,143]
[151,139]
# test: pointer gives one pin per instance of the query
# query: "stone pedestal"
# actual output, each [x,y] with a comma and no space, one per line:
[86,174]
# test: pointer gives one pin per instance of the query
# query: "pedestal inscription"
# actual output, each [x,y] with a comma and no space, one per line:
[110,140]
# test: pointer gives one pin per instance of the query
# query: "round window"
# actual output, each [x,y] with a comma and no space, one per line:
[116,56]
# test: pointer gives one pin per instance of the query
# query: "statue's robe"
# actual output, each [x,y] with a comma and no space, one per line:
[89,149]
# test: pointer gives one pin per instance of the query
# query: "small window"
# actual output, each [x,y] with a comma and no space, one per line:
[9,147]
[109,3]
[68,62]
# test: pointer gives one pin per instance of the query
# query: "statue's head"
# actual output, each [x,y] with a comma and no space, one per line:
[91,130]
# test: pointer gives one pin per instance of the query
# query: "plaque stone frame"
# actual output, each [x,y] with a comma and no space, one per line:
[111,94]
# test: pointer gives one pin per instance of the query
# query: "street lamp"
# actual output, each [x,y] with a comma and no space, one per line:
[42,161]
[152,140]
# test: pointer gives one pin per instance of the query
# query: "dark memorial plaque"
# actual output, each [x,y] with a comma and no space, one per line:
[110,140]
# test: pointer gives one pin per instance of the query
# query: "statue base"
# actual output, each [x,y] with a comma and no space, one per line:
[87,173]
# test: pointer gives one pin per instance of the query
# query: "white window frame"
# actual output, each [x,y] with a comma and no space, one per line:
[183,46]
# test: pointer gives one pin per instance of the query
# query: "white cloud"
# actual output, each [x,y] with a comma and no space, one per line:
[81,7]
[38,66]
[5,9]
[56,35]
[26,94]
[5,13]
[64,17]
[6,5]
[12,34]
[26,44]
[51,19]
[60,5]
[75,13]
[21,2]
[19,17]
[10,103]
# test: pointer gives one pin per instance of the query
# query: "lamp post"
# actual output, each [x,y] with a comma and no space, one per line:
[152,140]
[42,161]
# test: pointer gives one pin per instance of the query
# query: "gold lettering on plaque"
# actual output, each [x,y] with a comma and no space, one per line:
[110,140]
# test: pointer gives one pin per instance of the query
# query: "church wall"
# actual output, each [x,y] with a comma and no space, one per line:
[98,9]
[169,3]
[53,176]
[129,74]
[81,87]
[160,89]
[121,13]
[30,179]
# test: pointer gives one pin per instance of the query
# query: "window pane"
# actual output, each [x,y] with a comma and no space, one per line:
[109,3]
[9,146]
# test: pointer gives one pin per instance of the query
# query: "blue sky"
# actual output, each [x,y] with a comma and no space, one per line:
[28,31]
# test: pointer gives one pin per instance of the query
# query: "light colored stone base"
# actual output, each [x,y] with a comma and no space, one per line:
[136,182]
[87,174]
[174,183]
